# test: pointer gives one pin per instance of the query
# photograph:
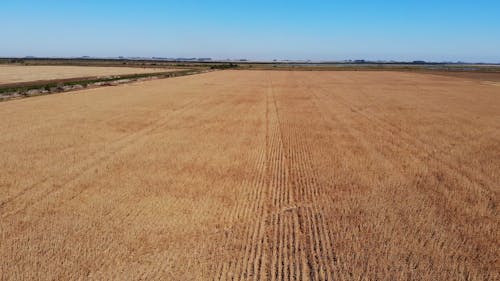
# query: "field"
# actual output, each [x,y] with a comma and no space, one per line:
[254,175]
[10,74]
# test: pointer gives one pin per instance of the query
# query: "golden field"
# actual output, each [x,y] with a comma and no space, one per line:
[10,74]
[254,175]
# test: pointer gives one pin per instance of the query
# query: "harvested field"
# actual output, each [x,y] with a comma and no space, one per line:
[10,74]
[474,75]
[254,175]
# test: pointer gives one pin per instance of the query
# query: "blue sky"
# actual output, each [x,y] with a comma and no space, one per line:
[437,30]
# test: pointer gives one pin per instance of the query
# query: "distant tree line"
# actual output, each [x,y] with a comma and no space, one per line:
[224,66]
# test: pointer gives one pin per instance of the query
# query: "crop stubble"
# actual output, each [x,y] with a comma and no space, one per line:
[11,74]
[254,175]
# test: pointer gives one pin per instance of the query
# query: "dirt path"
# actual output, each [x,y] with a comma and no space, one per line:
[254,175]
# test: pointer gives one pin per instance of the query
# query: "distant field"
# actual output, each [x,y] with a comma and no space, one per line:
[10,74]
[254,175]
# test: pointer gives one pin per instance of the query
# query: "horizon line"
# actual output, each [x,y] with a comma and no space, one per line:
[245,60]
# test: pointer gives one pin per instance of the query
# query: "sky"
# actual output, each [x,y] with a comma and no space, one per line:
[437,30]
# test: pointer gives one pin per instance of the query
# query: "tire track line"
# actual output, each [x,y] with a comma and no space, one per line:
[252,229]
[302,188]
[246,264]
[283,189]
[306,183]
